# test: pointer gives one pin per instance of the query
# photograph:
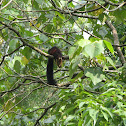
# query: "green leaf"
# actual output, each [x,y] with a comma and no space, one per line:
[11,11]
[95,74]
[94,49]
[107,110]
[94,39]
[60,15]
[62,108]
[88,120]
[57,3]
[17,66]
[49,120]
[108,92]
[25,1]
[79,75]
[101,17]
[77,51]
[71,52]
[74,65]
[124,121]
[105,115]
[12,45]
[24,60]
[109,46]
[49,28]
[68,110]
[28,33]
[69,118]
[43,37]
[82,42]
[39,2]
[42,18]
[35,4]
[81,104]
[93,114]
[110,61]
[27,52]
[120,105]
[120,15]
[103,31]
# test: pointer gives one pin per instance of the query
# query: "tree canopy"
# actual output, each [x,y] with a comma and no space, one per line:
[91,85]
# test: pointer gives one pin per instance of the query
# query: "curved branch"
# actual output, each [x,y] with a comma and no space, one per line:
[72,12]
[24,42]
[122,4]
[10,54]
[46,110]
[119,45]
[11,90]
[88,11]
[6,5]
[20,101]
[114,4]
[116,41]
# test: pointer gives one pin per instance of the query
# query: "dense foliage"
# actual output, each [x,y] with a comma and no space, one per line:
[92,37]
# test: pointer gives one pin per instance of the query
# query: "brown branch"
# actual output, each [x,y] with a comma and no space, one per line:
[109,67]
[10,54]
[41,31]
[87,11]
[3,92]
[72,12]
[122,4]
[84,16]
[116,41]
[24,42]
[20,101]
[119,45]
[45,111]
[6,5]
[94,92]
[1,2]
[114,4]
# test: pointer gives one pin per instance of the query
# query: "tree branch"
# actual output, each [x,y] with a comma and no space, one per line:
[114,4]
[6,5]
[25,43]
[45,111]
[10,54]
[116,41]
[122,4]
[20,101]
[72,12]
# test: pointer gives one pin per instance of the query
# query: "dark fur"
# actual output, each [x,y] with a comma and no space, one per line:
[55,51]
[57,55]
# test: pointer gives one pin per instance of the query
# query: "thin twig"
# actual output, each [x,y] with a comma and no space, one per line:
[45,111]
[10,54]
[6,5]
